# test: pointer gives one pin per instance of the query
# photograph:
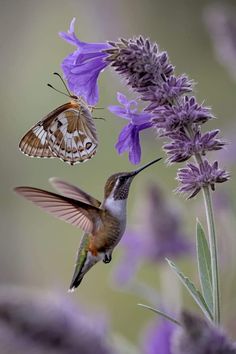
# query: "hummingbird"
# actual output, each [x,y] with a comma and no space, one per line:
[103,223]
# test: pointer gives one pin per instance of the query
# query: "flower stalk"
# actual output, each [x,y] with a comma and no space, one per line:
[213,252]
[212,246]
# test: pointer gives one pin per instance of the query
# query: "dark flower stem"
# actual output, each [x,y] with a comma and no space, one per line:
[212,245]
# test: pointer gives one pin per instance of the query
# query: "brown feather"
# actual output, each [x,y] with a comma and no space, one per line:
[70,210]
[73,192]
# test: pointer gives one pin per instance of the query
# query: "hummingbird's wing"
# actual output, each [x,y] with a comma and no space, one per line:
[70,210]
[73,192]
[84,261]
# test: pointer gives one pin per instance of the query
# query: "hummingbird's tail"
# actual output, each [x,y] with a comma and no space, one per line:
[76,280]
[85,260]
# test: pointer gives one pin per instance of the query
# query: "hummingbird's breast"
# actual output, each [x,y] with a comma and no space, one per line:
[113,225]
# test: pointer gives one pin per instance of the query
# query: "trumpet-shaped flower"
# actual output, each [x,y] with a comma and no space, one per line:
[82,67]
[129,137]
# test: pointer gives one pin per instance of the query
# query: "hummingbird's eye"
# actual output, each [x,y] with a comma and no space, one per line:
[121,180]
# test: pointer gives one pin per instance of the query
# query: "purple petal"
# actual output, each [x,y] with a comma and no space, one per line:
[70,36]
[119,111]
[124,139]
[197,336]
[82,79]
[84,47]
[135,148]
[158,338]
[142,117]
[122,99]
[130,106]
[82,68]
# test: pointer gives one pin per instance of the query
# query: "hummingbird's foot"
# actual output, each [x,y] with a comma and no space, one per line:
[107,258]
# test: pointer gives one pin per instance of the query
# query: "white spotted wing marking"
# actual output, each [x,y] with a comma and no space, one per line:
[68,133]
[34,143]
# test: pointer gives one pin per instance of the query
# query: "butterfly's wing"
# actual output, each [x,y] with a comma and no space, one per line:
[35,142]
[73,192]
[70,210]
[72,135]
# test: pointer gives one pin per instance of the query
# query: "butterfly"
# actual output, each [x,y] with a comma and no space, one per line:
[68,132]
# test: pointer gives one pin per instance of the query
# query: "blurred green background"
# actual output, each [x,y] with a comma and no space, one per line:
[37,250]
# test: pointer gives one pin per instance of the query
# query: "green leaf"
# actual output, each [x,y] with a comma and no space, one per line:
[204,265]
[160,313]
[194,292]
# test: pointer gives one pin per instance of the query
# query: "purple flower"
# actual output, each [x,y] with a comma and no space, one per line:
[33,323]
[192,178]
[129,137]
[159,235]
[82,68]
[139,62]
[175,116]
[167,91]
[170,118]
[134,251]
[197,336]
[158,337]
[182,147]
[220,20]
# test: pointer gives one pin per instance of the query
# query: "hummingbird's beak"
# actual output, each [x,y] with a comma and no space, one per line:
[134,173]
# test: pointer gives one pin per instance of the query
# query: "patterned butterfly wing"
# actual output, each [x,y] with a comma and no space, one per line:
[35,142]
[68,133]
[72,136]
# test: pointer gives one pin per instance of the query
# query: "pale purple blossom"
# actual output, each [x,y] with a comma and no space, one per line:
[82,67]
[181,146]
[185,114]
[158,337]
[192,178]
[128,139]
[177,116]
[140,62]
[35,323]
[167,91]
[197,336]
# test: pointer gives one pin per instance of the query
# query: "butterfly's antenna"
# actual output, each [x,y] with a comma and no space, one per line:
[99,118]
[63,93]
[63,82]
[93,107]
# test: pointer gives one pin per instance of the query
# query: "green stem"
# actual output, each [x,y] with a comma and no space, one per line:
[213,252]
[212,244]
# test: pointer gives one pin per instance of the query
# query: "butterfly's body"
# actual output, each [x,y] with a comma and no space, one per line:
[68,132]
[103,223]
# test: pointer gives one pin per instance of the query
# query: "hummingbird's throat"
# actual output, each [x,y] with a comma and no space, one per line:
[117,207]
[121,189]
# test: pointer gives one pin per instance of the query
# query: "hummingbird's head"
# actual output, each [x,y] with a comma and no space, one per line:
[118,184]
